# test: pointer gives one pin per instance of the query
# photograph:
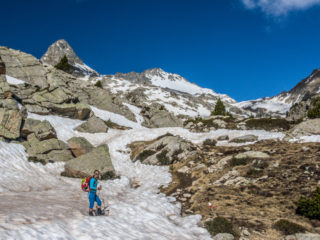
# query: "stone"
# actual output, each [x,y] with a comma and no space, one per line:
[243,139]
[43,130]
[23,66]
[72,110]
[219,123]
[305,149]
[252,155]
[303,236]
[199,167]
[9,104]
[52,156]
[45,146]
[223,138]
[10,123]
[93,125]
[305,128]
[223,236]
[84,166]
[184,169]
[79,146]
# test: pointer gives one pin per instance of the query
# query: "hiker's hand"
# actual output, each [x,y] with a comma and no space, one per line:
[99,188]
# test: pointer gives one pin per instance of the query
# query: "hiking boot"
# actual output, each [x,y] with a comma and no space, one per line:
[99,212]
[91,213]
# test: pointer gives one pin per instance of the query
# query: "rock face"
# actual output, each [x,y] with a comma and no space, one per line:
[42,129]
[155,116]
[79,146]
[84,166]
[10,123]
[61,48]
[23,66]
[309,127]
[45,146]
[93,125]
[164,151]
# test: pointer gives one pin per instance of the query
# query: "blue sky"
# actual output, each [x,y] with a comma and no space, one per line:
[244,48]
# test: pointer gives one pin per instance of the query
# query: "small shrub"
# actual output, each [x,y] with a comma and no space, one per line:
[98,84]
[310,207]
[162,157]
[219,108]
[254,173]
[145,154]
[209,142]
[220,225]
[268,124]
[64,64]
[288,228]
[237,162]
[314,112]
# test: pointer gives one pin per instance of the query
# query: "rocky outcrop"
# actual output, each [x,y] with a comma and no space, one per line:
[23,66]
[93,125]
[10,123]
[156,116]
[84,166]
[164,151]
[79,146]
[43,147]
[43,130]
[52,156]
[306,128]
[61,48]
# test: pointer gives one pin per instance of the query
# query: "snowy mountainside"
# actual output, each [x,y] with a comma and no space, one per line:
[175,93]
[61,48]
[281,103]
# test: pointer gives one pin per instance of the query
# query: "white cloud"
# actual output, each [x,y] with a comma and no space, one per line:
[279,7]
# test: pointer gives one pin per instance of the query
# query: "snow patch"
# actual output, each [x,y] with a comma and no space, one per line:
[14,81]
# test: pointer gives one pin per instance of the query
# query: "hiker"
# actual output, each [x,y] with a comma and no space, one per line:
[92,194]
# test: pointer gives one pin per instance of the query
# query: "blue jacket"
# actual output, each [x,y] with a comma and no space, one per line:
[93,184]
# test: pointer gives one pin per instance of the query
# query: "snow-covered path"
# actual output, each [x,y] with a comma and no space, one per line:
[37,203]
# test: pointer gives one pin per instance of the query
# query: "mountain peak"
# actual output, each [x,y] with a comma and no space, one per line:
[62,48]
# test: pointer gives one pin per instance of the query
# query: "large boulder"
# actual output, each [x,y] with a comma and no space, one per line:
[72,110]
[10,123]
[164,151]
[9,104]
[84,166]
[306,128]
[244,139]
[93,125]
[52,156]
[23,66]
[42,129]
[156,116]
[45,146]
[252,155]
[5,89]
[79,146]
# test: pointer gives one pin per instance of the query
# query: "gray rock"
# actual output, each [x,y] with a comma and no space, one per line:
[84,166]
[223,138]
[243,139]
[164,151]
[303,236]
[10,123]
[219,123]
[306,128]
[79,146]
[72,110]
[5,89]
[23,66]
[9,104]
[93,125]
[223,236]
[52,156]
[43,130]
[252,155]
[45,146]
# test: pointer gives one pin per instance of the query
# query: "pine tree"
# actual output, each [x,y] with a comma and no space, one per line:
[219,108]
[64,64]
